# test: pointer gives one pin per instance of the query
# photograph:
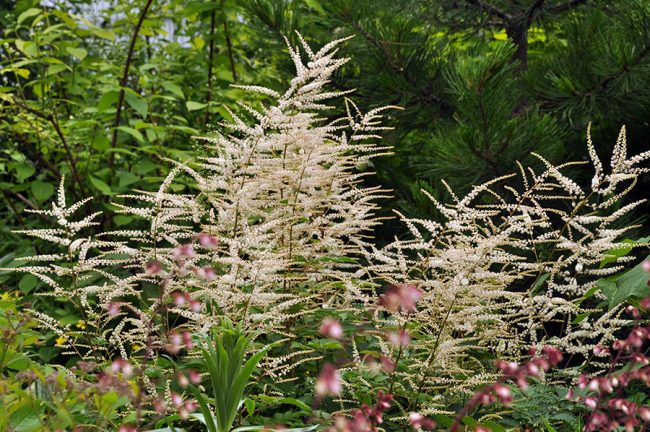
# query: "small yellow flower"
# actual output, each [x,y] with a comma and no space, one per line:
[136,347]
[5,296]
[81,324]
[60,341]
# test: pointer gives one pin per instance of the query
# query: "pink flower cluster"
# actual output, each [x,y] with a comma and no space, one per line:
[179,340]
[604,396]
[329,381]
[366,419]
[499,391]
[400,297]
[184,407]
[184,299]
[418,421]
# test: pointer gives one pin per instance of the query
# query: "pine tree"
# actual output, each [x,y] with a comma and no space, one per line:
[483,82]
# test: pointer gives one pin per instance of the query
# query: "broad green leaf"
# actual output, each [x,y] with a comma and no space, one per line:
[55,69]
[122,220]
[101,185]
[133,132]
[28,48]
[107,100]
[42,190]
[26,419]
[193,106]
[126,178]
[79,53]
[136,102]
[27,283]
[103,33]
[27,14]
[23,171]
[173,88]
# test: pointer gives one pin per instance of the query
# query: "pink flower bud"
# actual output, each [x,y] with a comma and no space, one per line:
[503,393]
[113,309]
[195,377]
[388,364]
[178,298]
[177,399]
[187,340]
[195,306]
[591,402]
[399,339]
[208,241]
[331,327]
[185,250]
[182,380]
[329,381]
[153,267]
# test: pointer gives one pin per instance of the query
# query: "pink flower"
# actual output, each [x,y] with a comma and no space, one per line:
[644,413]
[399,339]
[153,267]
[208,241]
[187,340]
[591,402]
[331,327]
[127,428]
[175,343]
[329,381]
[182,380]
[195,306]
[185,250]
[113,309]
[503,393]
[419,421]
[195,377]
[179,299]
[553,355]
[388,364]
[400,297]
[209,274]
[177,399]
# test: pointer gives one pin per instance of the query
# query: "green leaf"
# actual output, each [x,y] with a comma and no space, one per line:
[107,100]
[27,14]
[250,406]
[122,220]
[103,33]
[27,283]
[631,284]
[126,178]
[23,171]
[79,53]
[136,102]
[101,142]
[133,132]
[173,88]
[193,106]
[101,186]
[613,254]
[26,419]
[28,48]
[42,190]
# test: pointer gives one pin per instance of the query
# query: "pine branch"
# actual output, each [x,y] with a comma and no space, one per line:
[567,6]
[491,9]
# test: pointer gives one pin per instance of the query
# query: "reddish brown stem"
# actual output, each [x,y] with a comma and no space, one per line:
[125,77]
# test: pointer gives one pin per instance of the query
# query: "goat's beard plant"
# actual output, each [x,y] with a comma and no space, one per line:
[276,225]
[279,211]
